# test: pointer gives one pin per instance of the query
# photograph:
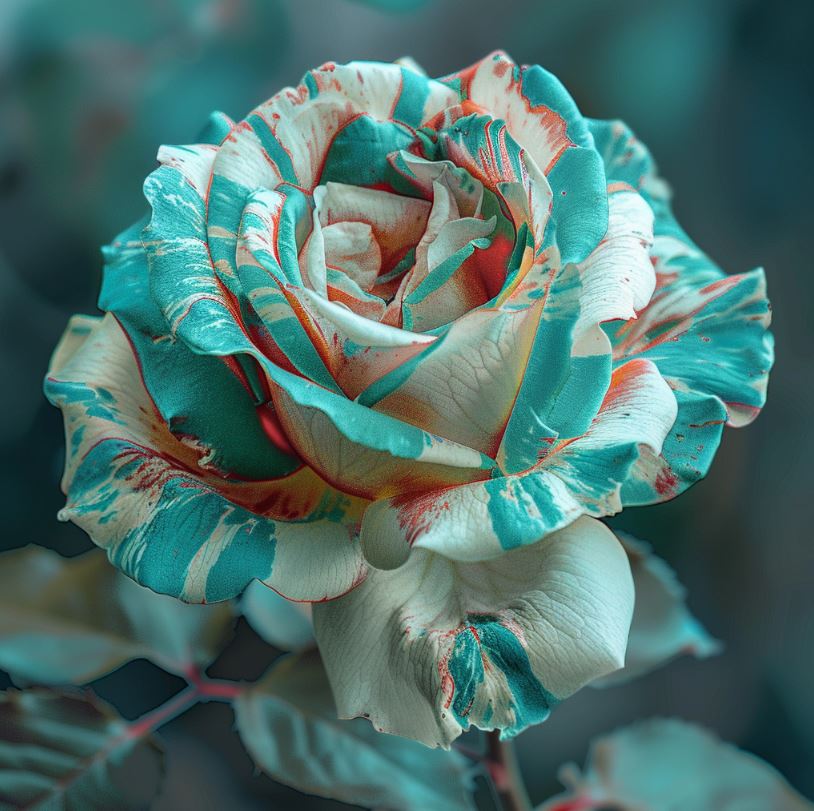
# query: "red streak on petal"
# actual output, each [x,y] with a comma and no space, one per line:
[273,429]
[666,482]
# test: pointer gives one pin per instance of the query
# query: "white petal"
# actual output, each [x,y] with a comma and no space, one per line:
[430,648]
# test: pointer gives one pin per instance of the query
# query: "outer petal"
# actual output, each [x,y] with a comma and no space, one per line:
[706,331]
[143,495]
[662,627]
[627,160]
[198,397]
[709,339]
[431,648]
[618,278]
[544,119]
[479,521]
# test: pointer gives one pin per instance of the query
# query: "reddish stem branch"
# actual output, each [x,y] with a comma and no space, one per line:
[505,773]
[152,720]
[212,689]
[200,689]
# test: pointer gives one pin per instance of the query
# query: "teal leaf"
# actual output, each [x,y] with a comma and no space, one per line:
[670,765]
[71,620]
[60,752]
[662,626]
[288,723]
[283,623]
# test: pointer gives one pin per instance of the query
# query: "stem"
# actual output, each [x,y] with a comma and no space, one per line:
[152,720]
[199,689]
[219,690]
[212,689]
[505,773]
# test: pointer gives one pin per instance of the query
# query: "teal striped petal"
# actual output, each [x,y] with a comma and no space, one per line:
[358,152]
[199,398]
[712,346]
[706,331]
[479,521]
[269,274]
[470,644]
[546,123]
[627,160]
[148,499]
[486,149]
[563,385]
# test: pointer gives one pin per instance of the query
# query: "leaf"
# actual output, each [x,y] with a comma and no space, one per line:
[71,620]
[662,626]
[71,751]
[288,723]
[280,622]
[670,765]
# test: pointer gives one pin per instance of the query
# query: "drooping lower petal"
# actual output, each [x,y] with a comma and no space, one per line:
[431,648]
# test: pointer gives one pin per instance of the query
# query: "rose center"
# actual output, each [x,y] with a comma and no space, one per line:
[415,261]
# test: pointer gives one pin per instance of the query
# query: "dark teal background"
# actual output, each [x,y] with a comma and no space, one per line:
[723,93]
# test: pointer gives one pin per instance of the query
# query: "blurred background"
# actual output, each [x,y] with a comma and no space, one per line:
[721,90]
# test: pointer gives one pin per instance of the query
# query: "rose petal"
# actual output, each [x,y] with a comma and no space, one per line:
[545,121]
[636,415]
[566,378]
[369,454]
[199,398]
[397,221]
[479,521]
[492,644]
[706,331]
[142,494]
[618,277]
[464,385]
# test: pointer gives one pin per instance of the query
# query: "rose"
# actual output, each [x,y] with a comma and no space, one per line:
[424,325]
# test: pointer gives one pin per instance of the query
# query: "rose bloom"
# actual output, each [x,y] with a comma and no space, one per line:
[391,345]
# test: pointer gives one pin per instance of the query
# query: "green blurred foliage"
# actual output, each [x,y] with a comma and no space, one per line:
[70,621]
[71,750]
